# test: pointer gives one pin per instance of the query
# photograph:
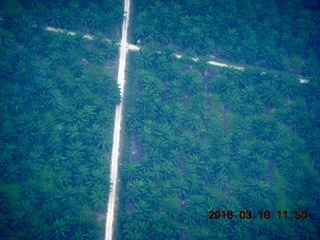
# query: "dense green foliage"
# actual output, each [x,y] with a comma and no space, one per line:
[227,141]
[273,34]
[201,138]
[57,102]
[87,16]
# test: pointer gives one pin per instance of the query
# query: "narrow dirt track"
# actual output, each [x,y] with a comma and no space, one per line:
[132,47]
[110,217]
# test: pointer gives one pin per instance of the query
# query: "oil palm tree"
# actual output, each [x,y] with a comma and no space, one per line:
[5,69]
[143,207]
[7,39]
[55,18]
[111,51]
[59,229]
[221,181]
[136,189]
[63,179]
[167,72]
[180,188]
[98,197]
[81,175]
[145,58]
[234,101]
[269,94]
[17,223]
[40,230]
[11,173]
[306,230]
[248,93]
[24,30]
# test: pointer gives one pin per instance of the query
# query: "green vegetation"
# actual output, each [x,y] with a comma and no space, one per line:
[57,104]
[275,34]
[197,137]
[203,138]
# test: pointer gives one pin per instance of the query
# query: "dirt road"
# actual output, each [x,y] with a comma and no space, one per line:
[132,47]
[117,127]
